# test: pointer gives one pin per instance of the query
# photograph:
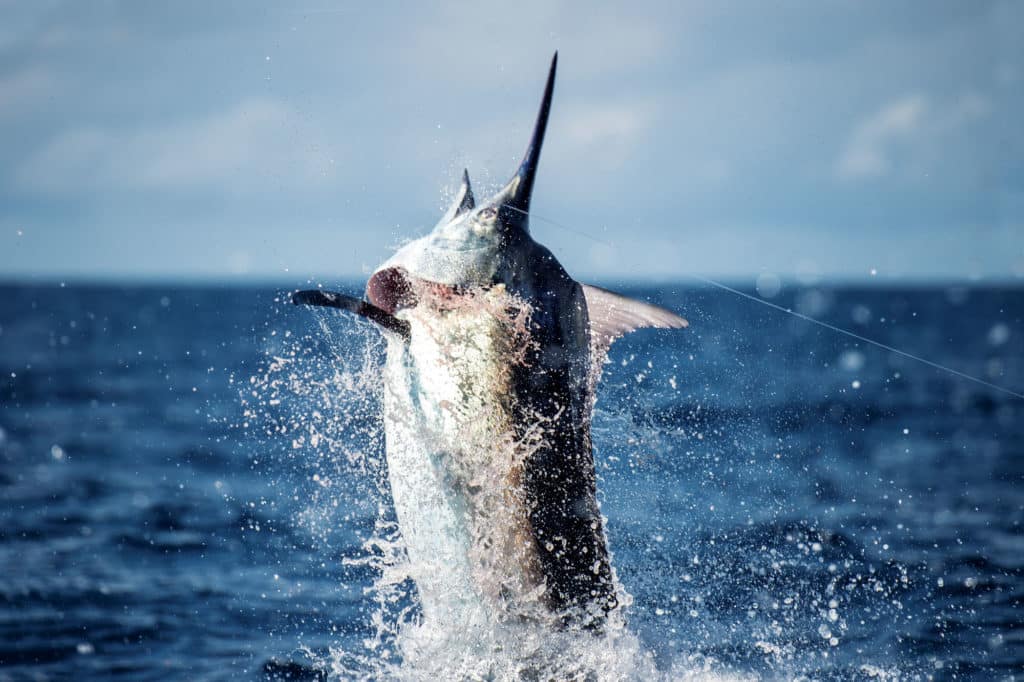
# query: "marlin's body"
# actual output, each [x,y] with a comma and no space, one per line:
[493,356]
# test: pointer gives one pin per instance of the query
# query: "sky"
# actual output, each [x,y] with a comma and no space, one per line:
[285,141]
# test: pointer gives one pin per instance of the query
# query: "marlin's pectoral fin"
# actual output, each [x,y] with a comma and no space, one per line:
[613,315]
[355,305]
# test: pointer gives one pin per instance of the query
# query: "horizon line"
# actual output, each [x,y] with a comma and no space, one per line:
[688,280]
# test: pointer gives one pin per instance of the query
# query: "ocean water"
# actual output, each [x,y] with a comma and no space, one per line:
[192,486]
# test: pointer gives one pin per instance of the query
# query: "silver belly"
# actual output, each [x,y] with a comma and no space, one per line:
[455,465]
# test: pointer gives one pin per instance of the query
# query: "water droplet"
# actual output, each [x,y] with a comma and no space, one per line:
[998,334]
[768,285]
[852,360]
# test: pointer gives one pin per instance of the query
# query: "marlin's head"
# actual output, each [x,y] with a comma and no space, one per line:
[472,246]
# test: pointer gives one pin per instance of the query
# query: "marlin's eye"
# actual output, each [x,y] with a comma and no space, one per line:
[487,213]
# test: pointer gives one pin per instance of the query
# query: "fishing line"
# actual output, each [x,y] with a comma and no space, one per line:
[865,339]
[812,320]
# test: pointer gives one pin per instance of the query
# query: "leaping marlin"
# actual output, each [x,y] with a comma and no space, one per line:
[493,356]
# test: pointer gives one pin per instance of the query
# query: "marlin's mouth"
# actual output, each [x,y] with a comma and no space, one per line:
[393,289]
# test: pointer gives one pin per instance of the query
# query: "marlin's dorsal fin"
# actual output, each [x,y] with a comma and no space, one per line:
[331,299]
[613,315]
[463,201]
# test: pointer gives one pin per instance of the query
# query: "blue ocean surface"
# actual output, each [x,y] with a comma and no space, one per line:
[191,478]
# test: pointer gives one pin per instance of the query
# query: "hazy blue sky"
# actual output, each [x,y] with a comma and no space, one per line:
[215,139]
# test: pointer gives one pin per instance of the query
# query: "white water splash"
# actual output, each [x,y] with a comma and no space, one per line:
[326,407]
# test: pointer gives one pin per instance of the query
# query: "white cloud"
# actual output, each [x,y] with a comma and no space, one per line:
[867,153]
[252,145]
[908,132]
[614,124]
[607,133]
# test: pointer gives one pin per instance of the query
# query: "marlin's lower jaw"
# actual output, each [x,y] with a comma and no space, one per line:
[391,289]
[394,289]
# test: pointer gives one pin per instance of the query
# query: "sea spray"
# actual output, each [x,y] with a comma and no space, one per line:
[319,396]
